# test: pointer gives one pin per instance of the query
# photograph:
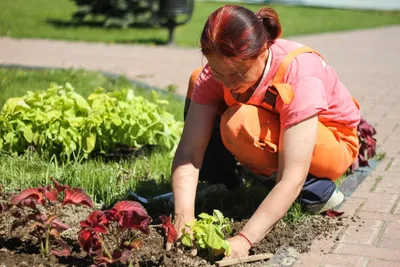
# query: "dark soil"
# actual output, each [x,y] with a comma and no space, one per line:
[21,249]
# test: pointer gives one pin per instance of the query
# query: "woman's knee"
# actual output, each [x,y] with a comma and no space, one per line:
[334,152]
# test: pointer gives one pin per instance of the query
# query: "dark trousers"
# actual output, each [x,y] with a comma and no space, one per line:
[220,166]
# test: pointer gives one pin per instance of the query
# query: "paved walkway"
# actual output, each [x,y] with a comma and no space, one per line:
[367,62]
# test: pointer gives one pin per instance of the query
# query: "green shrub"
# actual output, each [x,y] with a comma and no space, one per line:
[59,121]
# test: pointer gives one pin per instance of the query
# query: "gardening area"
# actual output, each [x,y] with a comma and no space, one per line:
[85,157]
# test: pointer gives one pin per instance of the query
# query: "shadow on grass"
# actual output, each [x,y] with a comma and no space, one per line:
[59,23]
[62,24]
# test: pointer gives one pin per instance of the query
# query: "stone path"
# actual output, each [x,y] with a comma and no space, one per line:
[367,62]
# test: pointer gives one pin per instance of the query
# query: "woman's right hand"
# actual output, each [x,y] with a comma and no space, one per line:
[180,223]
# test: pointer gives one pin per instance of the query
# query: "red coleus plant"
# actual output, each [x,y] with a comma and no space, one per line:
[367,147]
[169,229]
[44,222]
[107,235]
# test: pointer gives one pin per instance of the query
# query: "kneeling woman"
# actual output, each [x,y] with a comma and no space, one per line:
[282,109]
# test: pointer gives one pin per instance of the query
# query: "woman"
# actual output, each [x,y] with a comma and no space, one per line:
[282,109]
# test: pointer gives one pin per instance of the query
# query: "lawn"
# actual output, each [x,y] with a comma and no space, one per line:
[52,20]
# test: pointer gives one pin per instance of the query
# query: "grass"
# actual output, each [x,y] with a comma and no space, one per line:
[145,175]
[52,20]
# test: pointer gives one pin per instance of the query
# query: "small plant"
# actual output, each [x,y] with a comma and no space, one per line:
[169,229]
[106,234]
[209,232]
[46,204]
[367,147]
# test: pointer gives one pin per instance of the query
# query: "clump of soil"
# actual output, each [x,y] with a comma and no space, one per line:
[20,249]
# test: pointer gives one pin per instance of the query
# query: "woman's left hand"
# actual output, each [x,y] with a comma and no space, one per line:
[240,247]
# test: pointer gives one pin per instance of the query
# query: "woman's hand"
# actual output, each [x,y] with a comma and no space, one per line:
[180,224]
[240,247]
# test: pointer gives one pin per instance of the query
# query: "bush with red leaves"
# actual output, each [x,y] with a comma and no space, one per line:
[123,217]
[367,146]
[44,223]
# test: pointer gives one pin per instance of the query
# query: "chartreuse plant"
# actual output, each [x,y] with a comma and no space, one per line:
[59,121]
[209,232]
[107,235]
[38,209]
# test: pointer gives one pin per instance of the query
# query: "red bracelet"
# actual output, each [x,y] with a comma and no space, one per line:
[245,237]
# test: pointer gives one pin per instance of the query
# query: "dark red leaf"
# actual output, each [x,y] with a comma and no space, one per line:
[333,213]
[89,242]
[112,215]
[52,195]
[103,260]
[29,202]
[131,215]
[84,239]
[97,221]
[59,225]
[366,128]
[97,217]
[117,255]
[58,186]
[124,257]
[33,193]
[100,229]
[64,251]
[362,161]
[38,217]
[44,188]
[370,141]
[130,220]
[169,229]
[85,224]
[76,196]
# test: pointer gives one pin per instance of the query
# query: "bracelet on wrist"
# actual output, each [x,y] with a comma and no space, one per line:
[245,237]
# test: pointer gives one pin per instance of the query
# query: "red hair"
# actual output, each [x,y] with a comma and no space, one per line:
[238,33]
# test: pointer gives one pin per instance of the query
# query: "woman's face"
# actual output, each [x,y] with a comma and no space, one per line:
[237,76]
